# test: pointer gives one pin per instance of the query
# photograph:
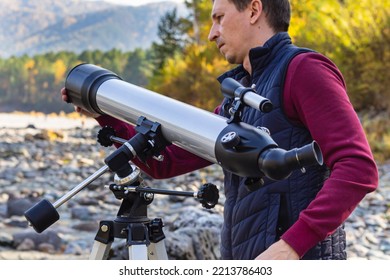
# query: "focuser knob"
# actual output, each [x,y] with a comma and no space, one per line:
[208,195]
[104,136]
[230,140]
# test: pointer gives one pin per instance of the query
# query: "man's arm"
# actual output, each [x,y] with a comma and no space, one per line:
[319,100]
[315,97]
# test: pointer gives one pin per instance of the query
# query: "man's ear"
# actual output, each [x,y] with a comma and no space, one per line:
[256,7]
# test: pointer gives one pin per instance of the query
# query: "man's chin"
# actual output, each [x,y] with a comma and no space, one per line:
[231,59]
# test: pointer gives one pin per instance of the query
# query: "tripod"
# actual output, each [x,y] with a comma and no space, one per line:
[144,237]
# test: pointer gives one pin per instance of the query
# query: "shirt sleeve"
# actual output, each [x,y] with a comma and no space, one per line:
[176,161]
[315,96]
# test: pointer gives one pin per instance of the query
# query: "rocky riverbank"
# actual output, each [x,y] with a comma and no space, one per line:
[37,163]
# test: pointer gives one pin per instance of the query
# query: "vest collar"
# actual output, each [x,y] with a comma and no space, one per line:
[259,57]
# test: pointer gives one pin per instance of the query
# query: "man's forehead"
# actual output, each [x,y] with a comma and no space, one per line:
[219,6]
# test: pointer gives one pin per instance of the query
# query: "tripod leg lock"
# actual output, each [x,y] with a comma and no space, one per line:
[156,232]
[105,233]
[138,234]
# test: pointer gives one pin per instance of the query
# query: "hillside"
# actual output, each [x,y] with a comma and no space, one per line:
[40,26]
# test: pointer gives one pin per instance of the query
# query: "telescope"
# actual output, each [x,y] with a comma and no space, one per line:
[236,146]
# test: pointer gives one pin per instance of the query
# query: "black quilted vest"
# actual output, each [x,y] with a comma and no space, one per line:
[255,220]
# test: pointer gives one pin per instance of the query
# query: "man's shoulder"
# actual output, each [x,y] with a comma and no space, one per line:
[311,59]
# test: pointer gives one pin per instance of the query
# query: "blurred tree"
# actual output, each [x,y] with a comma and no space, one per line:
[190,75]
[200,16]
[356,36]
[30,87]
[59,69]
[191,78]
[33,83]
[171,32]
[137,68]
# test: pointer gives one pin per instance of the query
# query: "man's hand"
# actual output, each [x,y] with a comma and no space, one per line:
[64,97]
[279,251]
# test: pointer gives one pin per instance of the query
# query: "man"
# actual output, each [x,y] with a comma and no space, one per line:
[300,217]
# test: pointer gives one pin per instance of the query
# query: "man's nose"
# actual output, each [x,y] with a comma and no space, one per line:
[213,35]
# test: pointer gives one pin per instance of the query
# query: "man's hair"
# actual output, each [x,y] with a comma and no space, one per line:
[278,12]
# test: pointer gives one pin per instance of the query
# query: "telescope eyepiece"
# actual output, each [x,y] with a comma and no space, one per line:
[278,164]
[307,155]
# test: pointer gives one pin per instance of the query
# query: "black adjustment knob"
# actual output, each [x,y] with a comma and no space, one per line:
[104,136]
[230,140]
[208,195]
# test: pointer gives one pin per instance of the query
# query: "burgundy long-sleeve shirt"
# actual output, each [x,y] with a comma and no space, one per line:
[314,96]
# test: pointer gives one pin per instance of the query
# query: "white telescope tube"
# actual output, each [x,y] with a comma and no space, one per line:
[191,128]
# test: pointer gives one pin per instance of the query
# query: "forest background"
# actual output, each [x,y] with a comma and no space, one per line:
[184,65]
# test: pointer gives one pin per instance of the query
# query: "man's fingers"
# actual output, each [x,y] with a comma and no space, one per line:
[64,95]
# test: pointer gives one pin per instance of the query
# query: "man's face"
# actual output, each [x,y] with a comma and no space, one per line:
[230,31]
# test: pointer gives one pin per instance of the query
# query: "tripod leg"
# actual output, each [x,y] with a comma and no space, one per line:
[157,251]
[137,241]
[156,248]
[138,252]
[100,251]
